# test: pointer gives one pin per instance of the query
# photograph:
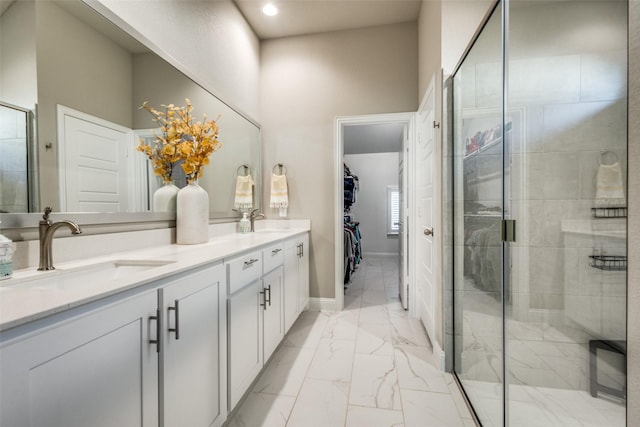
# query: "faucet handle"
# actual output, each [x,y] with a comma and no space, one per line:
[47,211]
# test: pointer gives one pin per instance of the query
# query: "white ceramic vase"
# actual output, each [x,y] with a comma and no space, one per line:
[164,198]
[192,215]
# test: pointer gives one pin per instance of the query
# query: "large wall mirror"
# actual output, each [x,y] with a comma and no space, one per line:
[67,76]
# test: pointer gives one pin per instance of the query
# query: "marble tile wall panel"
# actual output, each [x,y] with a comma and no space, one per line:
[594,66]
[544,80]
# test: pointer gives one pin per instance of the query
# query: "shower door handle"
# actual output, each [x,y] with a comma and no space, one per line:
[428,231]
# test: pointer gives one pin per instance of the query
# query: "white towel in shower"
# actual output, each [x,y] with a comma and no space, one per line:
[244,193]
[279,194]
[609,186]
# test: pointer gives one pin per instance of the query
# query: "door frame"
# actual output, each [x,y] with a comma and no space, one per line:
[340,122]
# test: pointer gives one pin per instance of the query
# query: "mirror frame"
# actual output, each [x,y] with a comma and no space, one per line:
[30,220]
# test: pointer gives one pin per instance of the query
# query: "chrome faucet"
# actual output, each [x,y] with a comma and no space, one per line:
[252,217]
[46,230]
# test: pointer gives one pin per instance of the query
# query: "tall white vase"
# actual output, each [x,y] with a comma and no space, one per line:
[192,215]
[164,198]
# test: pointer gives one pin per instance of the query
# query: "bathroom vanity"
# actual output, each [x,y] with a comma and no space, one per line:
[165,336]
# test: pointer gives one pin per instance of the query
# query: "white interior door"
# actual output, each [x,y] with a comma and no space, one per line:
[424,212]
[92,155]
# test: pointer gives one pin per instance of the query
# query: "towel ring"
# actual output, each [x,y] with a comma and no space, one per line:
[283,168]
[246,170]
[607,158]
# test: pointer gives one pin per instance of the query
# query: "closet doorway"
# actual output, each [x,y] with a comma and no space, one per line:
[371,164]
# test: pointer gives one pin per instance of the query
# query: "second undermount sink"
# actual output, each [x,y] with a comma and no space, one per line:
[90,275]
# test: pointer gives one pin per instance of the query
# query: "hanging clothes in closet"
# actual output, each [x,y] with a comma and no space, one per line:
[352,248]
[351,187]
[352,236]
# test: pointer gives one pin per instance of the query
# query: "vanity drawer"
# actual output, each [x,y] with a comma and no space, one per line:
[273,257]
[244,270]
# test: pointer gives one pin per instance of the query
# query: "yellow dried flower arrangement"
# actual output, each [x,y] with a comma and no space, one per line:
[182,139]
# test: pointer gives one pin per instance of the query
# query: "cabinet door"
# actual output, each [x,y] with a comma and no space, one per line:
[303,274]
[193,325]
[97,369]
[273,322]
[245,339]
[290,283]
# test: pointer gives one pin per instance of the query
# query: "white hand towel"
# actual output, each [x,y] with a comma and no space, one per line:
[609,187]
[279,194]
[244,193]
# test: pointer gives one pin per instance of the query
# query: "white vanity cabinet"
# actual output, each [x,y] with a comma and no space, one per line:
[156,357]
[193,349]
[273,327]
[245,318]
[296,278]
[96,368]
[255,316]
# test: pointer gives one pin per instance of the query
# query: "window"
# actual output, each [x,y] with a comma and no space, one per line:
[393,209]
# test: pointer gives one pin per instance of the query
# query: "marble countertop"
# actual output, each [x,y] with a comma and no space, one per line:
[27,297]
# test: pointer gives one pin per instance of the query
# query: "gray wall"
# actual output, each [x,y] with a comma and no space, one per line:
[375,172]
[211,38]
[18,55]
[306,83]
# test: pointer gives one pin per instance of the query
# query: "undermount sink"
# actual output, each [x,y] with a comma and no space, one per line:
[89,275]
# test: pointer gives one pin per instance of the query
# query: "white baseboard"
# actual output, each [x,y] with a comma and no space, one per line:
[318,304]
[438,356]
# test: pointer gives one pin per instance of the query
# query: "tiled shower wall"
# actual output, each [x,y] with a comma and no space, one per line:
[566,102]
[573,107]
[13,160]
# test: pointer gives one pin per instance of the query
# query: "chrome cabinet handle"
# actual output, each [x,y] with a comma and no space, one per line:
[158,331]
[275,251]
[251,262]
[177,317]
[301,250]
[428,231]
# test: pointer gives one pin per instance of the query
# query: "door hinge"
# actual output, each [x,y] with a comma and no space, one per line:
[508,230]
[436,124]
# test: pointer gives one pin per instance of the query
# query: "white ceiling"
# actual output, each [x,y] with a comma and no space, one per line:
[298,17]
[373,138]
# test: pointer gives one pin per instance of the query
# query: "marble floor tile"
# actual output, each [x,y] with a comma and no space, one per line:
[374,314]
[333,360]
[408,331]
[374,382]
[374,338]
[320,404]
[374,297]
[415,372]
[423,408]
[263,410]
[285,372]
[307,330]
[358,416]
[342,325]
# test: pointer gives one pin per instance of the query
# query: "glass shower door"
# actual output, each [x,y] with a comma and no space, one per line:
[566,168]
[478,212]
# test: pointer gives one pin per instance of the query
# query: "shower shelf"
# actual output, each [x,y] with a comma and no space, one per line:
[610,212]
[609,262]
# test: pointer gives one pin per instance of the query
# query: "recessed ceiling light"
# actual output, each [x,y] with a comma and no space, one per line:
[270,10]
